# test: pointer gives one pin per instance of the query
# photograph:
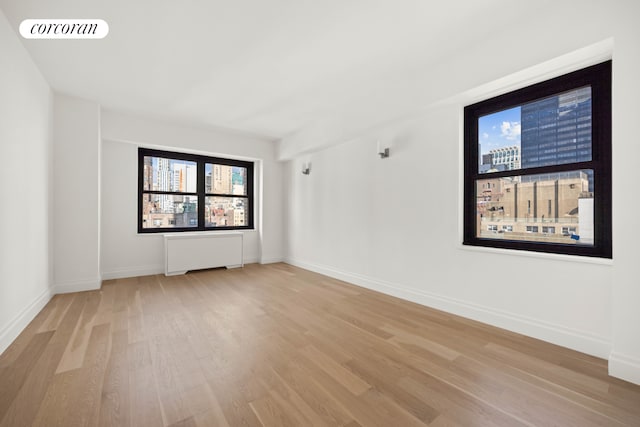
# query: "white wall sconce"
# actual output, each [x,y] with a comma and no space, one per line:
[383,152]
[306,168]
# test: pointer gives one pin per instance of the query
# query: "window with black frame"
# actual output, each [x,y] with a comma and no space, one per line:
[537,167]
[188,192]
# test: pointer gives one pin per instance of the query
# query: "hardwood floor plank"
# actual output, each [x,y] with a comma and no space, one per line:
[547,370]
[55,311]
[516,382]
[87,389]
[144,405]
[235,404]
[386,383]
[338,372]
[40,324]
[29,398]
[173,406]
[187,422]
[273,344]
[537,409]
[114,405]
[58,400]
[359,323]
[135,328]
[458,406]
[74,353]
[12,378]
[270,414]
[313,394]
[212,417]
[204,405]
[369,409]
[288,398]
[403,337]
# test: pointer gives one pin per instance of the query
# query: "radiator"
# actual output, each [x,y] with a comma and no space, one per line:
[192,251]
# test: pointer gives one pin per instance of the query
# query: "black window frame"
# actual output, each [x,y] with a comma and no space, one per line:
[599,78]
[201,194]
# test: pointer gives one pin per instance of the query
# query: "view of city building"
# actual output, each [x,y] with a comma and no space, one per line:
[500,159]
[226,201]
[547,208]
[555,207]
[225,211]
[557,130]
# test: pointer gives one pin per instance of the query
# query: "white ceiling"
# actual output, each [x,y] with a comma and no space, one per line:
[267,67]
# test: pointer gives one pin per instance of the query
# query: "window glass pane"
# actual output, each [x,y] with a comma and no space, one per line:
[223,179]
[161,174]
[553,208]
[549,131]
[226,211]
[168,211]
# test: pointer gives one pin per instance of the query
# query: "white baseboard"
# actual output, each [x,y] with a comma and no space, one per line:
[11,331]
[77,286]
[624,367]
[149,270]
[557,334]
[143,270]
[271,260]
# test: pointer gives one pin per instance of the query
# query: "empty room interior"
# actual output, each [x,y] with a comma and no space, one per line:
[319,213]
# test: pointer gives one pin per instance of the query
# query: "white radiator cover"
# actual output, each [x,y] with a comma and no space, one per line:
[195,251]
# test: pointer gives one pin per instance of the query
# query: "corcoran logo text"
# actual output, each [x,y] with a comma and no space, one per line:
[64,28]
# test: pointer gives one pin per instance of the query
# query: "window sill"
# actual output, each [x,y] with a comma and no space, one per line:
[542,255]
[199,233]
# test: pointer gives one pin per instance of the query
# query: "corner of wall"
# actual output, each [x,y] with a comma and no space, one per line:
[624,367]
[77,286]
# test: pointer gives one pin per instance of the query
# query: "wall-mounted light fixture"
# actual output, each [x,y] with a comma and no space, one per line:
[383,152]
[306,168]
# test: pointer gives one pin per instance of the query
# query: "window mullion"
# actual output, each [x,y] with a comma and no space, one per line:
[201,197]
[540,170]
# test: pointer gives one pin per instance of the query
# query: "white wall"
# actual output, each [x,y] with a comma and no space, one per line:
[77,194]
[402,214]
[26,153]
[624,361]
[125,252]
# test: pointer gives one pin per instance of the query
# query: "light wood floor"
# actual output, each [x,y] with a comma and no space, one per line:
[279,346]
